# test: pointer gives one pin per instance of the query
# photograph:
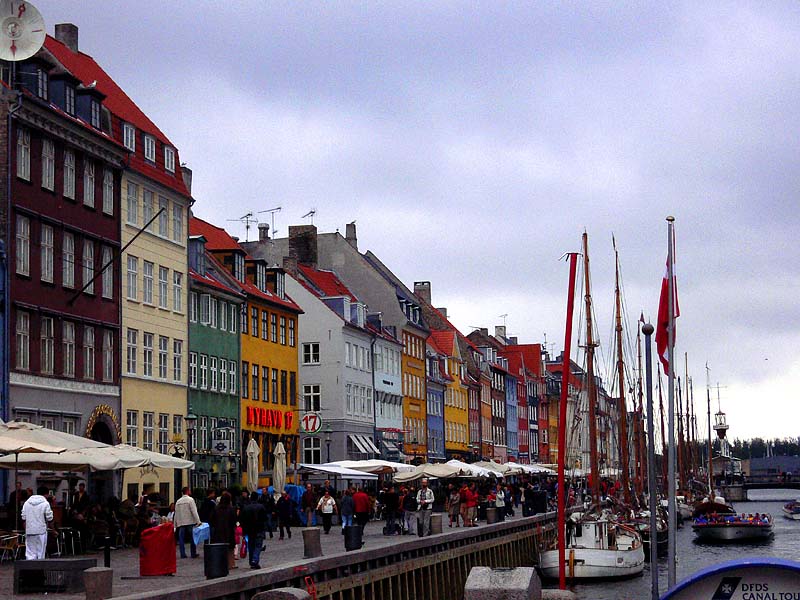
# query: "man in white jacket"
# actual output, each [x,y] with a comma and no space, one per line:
[185,520]
[36,512]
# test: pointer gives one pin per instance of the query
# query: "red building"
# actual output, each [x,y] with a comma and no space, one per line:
[62,231]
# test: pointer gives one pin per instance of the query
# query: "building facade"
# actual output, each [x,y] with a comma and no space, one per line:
[63,234]
[213,426]
[436,385]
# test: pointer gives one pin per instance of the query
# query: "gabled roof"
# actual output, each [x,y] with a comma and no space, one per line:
[216,237]
[120,104]
[326,282]
[212,282]
[443,341]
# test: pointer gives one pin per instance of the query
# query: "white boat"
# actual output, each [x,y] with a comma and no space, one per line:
[684,510]
[792,510]
[597,549]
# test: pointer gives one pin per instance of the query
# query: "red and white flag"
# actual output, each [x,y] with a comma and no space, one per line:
[664,325]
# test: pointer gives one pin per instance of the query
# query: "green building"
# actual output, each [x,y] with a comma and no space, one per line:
[215,304]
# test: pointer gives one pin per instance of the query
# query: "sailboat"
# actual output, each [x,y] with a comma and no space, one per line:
[597,545]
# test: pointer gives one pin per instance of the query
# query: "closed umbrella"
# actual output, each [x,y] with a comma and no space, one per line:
[252,465]
[279,472]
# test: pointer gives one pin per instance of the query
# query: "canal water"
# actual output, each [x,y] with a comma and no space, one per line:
[693,556]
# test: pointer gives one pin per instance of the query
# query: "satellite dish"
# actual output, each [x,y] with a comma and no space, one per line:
[22,30]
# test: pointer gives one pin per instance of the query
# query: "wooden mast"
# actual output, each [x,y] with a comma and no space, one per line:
[591,388]
[623,411]
[710,447]
[640,429]
[663,439]
[680,437]
[562,425]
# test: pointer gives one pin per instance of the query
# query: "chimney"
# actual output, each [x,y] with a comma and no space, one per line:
[263,232]
[422,289]
[500,331]
[187,177]
[350,235]
[303,244]
[484,330]
[443,310]
[67,34]
[289,263]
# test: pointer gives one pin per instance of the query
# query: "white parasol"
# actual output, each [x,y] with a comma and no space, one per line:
[279,471]
[252,453]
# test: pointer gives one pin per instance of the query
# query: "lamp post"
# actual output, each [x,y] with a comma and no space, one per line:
[191,423]
[328,432]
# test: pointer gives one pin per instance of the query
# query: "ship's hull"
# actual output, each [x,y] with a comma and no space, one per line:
[793,514]
[727,532]
[594,563]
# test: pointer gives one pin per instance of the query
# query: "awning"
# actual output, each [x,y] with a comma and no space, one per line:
[390,446]
[358,443]
[342,472]
[364,444]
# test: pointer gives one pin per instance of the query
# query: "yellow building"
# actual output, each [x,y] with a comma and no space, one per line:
[456,415]
[268,382]
[154,319]
[412,366]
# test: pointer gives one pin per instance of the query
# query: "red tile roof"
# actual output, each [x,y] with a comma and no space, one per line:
[121,106]
[443,340]
[212,282]
[217,239]
[327,282]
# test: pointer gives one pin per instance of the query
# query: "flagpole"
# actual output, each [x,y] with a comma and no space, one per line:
[672,504]
[647,329]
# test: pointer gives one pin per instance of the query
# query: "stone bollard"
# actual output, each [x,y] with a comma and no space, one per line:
[312,544]
[436,523]
[98,582]
[491,516]
[282,594]
[559,595]
[485,583]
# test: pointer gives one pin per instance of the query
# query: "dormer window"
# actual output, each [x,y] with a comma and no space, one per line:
[280,284]
[129,136]
[95,113]
[261,277]
[69,100]
[42,84]
[150,148]
[169,159]
[238,267]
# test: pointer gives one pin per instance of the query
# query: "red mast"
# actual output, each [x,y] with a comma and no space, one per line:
[562,424]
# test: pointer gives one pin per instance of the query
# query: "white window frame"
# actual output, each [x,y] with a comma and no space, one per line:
[132,292]
[169,159]
[88,182]
[24,153]
[147,282]
[232,368]
[311,353]
[68,348]
[163,216]
[23,340]
[148,430]
[177,360]
[147,354]
[132,427]
[23,242]
[108,191]
[129,136]
[87,262]
[48,165]
[212,366]
[203,371]
[177,223]
[193,369]
[69,174]
[88,352]
[46,252]
[108,356]
[107,278]
[163,354]
[223,376]
[47,346]
[163,289]
[177,292]
[148,207]
[132,215]
[131,351]
[149,148]
[312,396]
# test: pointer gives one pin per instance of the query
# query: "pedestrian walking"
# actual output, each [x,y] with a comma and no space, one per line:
[361,504]
[284,507]
[253,519]
[472,506]
[223,526]
[327,506]
[453,505]
[268,501]
[409,511]
[424,508]
[391,506]
[186,519]
[208,506]
[308,503]
[347,509]
[36,513]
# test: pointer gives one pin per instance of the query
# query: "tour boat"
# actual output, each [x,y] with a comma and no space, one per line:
[792,510]
[717,527]
[597,548]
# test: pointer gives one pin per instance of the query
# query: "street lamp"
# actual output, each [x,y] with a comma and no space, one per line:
[191,422]
[328,432]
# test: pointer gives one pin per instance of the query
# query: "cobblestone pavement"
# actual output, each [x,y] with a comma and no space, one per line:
[125,562]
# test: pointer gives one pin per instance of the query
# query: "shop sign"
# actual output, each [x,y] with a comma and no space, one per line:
[311,422]
[274,419]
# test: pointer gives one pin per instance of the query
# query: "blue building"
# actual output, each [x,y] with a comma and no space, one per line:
[435,395]
[512,418]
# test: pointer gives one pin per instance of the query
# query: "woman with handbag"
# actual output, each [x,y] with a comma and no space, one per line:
[327,506]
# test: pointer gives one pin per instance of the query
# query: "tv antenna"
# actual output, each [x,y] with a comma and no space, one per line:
[310,214]
[271,212]
[248,221]
[504,317]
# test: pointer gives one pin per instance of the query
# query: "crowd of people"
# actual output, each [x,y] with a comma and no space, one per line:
[734,519]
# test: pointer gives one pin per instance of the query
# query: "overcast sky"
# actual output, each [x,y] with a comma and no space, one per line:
[473,142]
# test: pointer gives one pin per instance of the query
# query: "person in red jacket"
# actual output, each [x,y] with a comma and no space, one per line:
[472,506]
[361,508]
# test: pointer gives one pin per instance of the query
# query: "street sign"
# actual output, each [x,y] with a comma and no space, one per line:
[311,422]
